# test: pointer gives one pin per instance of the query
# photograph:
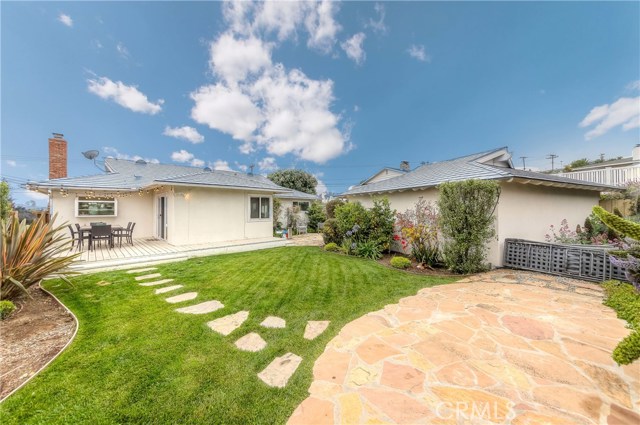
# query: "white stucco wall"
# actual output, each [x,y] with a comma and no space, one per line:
[200,215]
[525,211]
[135,208]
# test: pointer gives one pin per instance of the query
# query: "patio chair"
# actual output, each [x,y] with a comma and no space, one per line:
[128,232]
[101,233]
[122,233]
[82,235]
[75,237]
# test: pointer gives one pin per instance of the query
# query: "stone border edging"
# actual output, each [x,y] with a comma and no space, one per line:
[75,332]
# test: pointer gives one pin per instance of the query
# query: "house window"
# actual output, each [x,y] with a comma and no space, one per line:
[260,208]
[86,207]
[304,206]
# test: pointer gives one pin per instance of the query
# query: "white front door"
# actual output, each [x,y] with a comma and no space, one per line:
[161,217]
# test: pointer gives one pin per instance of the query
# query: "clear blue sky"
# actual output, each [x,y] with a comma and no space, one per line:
[338,89]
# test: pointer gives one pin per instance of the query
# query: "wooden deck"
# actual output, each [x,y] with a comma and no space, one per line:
[153,250]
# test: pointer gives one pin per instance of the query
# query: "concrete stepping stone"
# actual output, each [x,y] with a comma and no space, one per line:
[227,324]
[156,282]
[251,342]
[146,269]
[182,297]
[273,322]
[315,328]
[279,371]
[148,276]
[202,308]
[167,289]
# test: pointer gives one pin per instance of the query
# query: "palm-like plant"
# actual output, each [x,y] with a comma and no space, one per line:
[31,253]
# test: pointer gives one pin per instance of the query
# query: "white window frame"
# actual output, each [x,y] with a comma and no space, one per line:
[300,206]
[255,195]
[108,200]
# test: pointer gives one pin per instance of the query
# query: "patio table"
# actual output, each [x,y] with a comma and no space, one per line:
[86,230]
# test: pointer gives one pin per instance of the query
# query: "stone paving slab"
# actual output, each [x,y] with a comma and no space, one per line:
[156,282]
[525,347]
[227,324]
[315,328]
[251,342]
[202,308]
[148,276]
[274,322]
[279,371]
[167,289]
[182,297]
[146,269]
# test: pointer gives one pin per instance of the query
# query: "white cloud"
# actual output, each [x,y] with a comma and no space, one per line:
[242,167]
[634,85]
[221,165]
[187,133]
[356,108]
[127,96]
[378,25]
[11,163]
[321,187]
[234,59]
[184,156]
[65,19]
[322,28]
[225,109]
[122,51]
[268,164]
[353,48]
[36,196]
[97,44]
[113,152]
[418,52]
[624,112]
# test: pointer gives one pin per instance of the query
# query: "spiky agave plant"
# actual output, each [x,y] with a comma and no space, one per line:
[31,253]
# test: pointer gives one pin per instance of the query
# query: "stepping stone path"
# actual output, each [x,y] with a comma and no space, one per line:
[182,297]
[202,308]
[251,342]
[227,324]
[279,371]
[167,289]
[273,322]
[148,276]
[315,328]
[157,282]
[147,269]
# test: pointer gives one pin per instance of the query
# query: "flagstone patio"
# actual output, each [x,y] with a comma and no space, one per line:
[500,347]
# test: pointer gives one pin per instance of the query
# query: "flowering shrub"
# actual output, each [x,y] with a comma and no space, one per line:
[594,232]
[563,235]
[418,231]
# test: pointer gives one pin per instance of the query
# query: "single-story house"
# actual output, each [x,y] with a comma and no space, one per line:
[180,204]
[295,198]
[529,202]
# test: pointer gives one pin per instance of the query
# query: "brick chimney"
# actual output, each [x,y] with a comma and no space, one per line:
[57,156]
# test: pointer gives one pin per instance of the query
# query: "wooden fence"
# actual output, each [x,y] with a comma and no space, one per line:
[588,262]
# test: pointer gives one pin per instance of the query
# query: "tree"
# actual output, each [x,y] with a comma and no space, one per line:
[6,205]
[295,179]
[466,219]
[316,215]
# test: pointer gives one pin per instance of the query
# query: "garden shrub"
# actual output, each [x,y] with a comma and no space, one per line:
[400,262]
[332,247]
[368,249]
[351,214]
[381,222]
[419,231]
[315,215]
[625,300]
[330,232]
[6,308]
[466,222]
[331,206]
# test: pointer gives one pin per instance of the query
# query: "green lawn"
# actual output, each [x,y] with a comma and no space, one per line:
[135,360]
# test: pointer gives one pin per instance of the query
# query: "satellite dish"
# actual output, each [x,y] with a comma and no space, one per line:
[92,154]
[141,162]
[207,169]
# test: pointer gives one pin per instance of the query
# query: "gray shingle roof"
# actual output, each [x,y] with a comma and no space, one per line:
[296,194]
[131,175]
[463,168]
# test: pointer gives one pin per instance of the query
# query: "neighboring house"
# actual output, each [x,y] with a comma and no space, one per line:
[292,199]
[388,172]
[529,202]
[182,205]
[614,172]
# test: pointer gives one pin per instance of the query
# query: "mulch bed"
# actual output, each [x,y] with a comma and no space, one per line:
[31,336]
[437,271]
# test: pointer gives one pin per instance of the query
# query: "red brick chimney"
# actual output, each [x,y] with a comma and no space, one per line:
[57,156]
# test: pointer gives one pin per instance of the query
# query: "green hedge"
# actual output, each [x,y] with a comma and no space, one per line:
[400,262]
[625,300]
